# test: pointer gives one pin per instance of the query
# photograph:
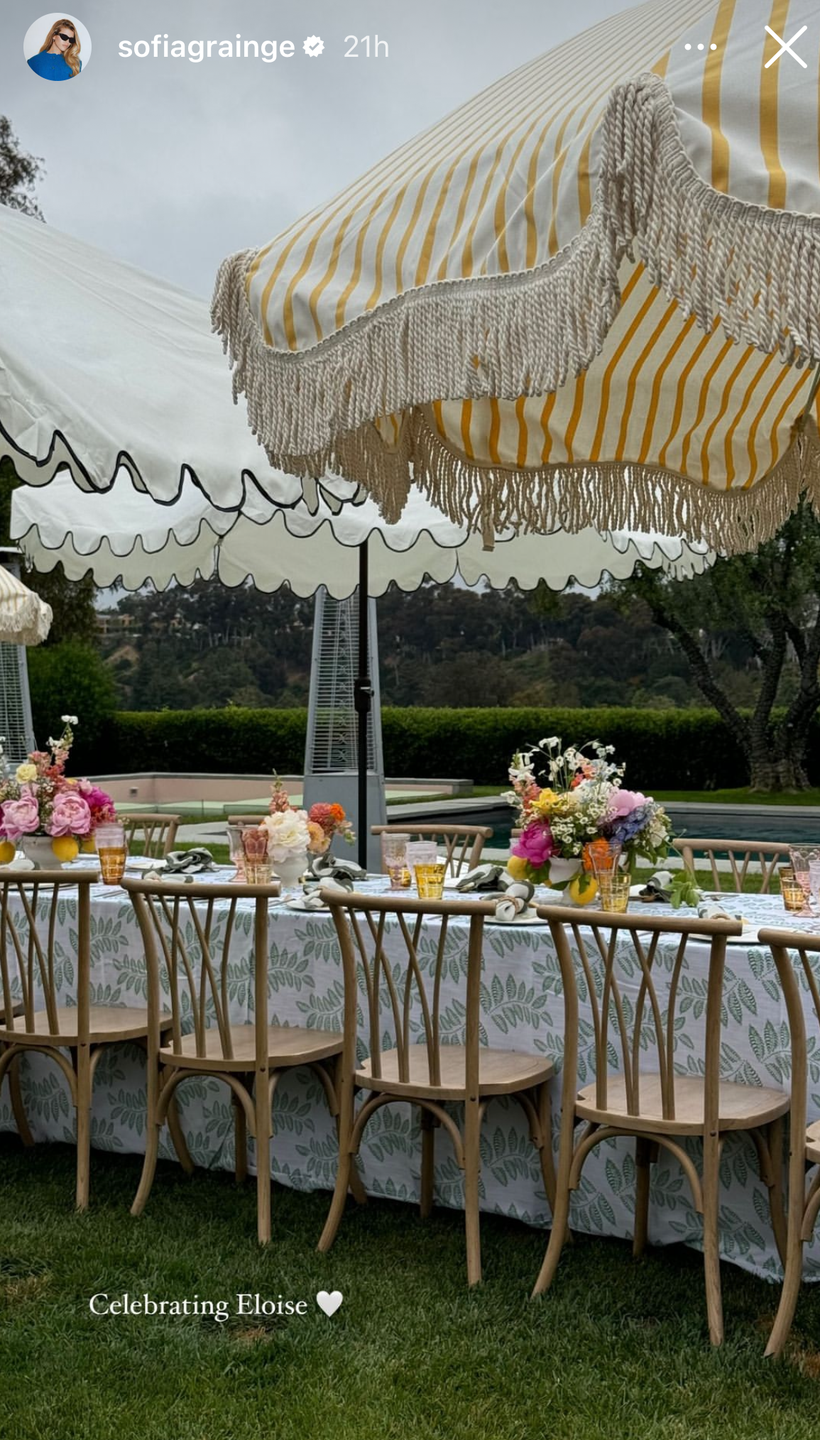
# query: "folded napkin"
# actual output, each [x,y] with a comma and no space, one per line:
[311,900]
[509,908]
[325,868]
[492,880]
[713,910]
[188,862]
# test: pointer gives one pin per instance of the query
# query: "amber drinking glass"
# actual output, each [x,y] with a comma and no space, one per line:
[112,853]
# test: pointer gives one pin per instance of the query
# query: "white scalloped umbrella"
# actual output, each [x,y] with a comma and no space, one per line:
[124,536]
[103,365]
[588,296]
[25,619]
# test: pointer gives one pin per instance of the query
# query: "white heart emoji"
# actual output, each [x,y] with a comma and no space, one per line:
[329,1303]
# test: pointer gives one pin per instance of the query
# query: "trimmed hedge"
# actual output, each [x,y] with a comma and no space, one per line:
[663,749]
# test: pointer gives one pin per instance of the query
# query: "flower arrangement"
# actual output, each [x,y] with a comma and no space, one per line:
[582,811]
[317,827]
[40,800]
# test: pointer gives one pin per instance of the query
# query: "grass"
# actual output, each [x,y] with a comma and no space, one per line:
[617,1349]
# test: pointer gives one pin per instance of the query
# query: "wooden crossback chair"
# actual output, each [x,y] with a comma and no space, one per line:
[74,1035]
[155,831]
[380,939]
[614,957]
[462,844]
[747,859]
[793,953]
[188,932]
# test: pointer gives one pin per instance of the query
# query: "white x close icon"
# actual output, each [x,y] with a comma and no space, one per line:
[786,45]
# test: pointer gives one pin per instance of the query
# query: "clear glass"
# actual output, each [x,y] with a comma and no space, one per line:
[604,856]
[430,880]
[394,860]
[613,892]
[420,852]
[802,859]
[257,872]
[112,853]
[236,852]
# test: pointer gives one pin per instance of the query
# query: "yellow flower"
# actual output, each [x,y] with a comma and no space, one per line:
[26,773]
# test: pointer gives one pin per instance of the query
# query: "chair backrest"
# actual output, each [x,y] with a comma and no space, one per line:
[460,844]
[797,959]
[747,859]
[194,937]
[633,987]
[157,832]
[31,972]
[253,821]
[400,948]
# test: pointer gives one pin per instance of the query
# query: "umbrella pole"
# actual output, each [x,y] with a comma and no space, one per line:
[362,699]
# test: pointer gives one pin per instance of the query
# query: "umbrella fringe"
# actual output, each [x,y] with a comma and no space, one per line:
[490,500]
[755,271]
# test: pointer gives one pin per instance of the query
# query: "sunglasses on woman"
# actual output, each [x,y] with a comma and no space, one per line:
[68,38]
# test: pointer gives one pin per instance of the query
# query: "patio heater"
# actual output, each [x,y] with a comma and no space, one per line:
[16,723]
[343,754]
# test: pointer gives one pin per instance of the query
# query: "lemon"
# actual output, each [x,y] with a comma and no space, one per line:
[7,852]
[89,846]
[582,890]
[65,847]
[517,867]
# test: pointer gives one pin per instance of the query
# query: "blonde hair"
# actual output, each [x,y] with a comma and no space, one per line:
[72,54]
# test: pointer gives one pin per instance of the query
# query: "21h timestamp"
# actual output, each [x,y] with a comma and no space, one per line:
[369,47]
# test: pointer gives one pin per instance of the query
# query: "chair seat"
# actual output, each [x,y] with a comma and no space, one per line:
[107,1023]
[501,1072]
[813,1142]
[287,1045]
[740,1107]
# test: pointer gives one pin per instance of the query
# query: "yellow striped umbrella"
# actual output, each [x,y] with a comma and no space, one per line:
[590,296]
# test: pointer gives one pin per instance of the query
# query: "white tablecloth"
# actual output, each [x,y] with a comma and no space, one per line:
[522,1010]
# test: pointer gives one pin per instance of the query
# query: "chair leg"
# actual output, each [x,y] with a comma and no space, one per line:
[240,1130]
[774,1140]
[545,1149]
[178,1137]
[346,1165]
[263,1128]
[792,1279]
[711,1244]
[645,1154]
[560,1213]
[18,1109]
[83,1072]
[472,1167]
[429,1125]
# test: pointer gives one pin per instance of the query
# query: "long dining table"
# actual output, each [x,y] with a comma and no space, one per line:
[521,1010]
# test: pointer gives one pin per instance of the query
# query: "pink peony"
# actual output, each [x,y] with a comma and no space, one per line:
[535,844]
[623,802]
[21,817]
[98,801]
[70,815]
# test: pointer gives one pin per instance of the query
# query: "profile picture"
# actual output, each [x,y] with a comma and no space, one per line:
[57,47]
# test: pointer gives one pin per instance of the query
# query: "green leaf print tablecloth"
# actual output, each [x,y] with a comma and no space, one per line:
[522,1010]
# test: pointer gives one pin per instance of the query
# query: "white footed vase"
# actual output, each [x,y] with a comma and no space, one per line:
[290,870]
[37,849]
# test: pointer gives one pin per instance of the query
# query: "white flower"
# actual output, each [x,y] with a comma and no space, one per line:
[69,719]
[288,833]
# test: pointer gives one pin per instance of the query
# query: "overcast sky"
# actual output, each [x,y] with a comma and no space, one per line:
[173,164]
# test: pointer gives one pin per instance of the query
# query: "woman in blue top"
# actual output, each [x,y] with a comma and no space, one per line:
[59,57]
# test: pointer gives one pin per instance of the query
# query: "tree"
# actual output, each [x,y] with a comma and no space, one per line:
[19,173]
[767,606]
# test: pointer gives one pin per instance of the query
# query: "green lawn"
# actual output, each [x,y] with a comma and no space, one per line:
[618,1348]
